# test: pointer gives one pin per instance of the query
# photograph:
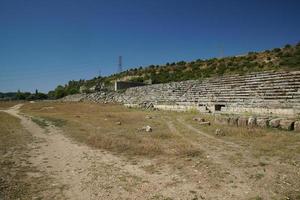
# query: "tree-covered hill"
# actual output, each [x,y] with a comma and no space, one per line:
[286,58]
[277,59]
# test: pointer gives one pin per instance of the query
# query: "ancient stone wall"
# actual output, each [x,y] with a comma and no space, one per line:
[268,93]
[264,93]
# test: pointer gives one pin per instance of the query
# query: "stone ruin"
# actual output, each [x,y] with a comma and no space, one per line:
[263,94]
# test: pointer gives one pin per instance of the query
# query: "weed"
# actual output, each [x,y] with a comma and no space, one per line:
[41,122]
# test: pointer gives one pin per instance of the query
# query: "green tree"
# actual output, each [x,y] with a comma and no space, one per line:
[59,92]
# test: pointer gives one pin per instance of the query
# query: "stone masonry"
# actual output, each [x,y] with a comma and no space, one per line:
[269,93]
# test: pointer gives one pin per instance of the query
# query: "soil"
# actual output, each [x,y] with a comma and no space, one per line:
[88,173]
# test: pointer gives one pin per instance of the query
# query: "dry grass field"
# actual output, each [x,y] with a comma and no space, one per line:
[112,158]
[7,104]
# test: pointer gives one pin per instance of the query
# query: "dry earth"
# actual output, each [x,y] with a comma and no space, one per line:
[87,155]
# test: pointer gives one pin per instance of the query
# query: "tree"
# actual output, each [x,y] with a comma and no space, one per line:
[51,94]
[181,63]
[59,92]
[20,95]
[287,46]
[73,91]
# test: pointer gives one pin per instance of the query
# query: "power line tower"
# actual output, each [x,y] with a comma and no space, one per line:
[120,67]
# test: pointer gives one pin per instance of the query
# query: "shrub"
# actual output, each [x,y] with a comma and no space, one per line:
[287,46]
[276,50]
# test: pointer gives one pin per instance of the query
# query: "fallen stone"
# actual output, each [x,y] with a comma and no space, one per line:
[219,132]
[252,121]
[118,123]
[147,128]
[242,121]
[199,119]
[297,126]
[204,123]
[287,124]
[262,122]
[274,123]
[148,117]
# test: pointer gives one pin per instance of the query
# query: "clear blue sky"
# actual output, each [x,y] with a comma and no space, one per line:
[44,43]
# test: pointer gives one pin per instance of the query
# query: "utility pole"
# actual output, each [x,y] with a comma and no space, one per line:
[120,67]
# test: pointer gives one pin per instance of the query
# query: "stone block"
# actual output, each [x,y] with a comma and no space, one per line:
[242,121]
[262,122]
[252,121]
[287,124]
[297,126]
[274,123]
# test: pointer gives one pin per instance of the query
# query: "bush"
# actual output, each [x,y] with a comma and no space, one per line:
[59,92]
[287,46]
[276,50]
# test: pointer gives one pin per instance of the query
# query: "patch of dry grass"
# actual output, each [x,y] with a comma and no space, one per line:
[180,150]
[97,126]
[284,145]
[7,104]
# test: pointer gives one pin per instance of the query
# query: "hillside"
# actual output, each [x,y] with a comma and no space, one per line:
[286,58]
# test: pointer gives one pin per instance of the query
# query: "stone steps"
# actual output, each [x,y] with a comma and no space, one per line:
[264,89]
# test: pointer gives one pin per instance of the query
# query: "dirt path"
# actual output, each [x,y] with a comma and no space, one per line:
[86,173]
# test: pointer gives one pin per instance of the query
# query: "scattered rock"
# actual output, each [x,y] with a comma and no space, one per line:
[262,122]
[148,117]
[219,132]
[242,121]
[286,124]
[147,105]
[274,123]
[118,123]
[147,128]
[199,119]
[204,123]
[297,126]
[252,121]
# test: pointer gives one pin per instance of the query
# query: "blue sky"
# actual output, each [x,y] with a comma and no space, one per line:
[44,43]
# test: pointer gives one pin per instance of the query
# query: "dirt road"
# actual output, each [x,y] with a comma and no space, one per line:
[87,173]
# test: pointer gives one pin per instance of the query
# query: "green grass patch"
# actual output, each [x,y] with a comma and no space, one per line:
[39,121]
